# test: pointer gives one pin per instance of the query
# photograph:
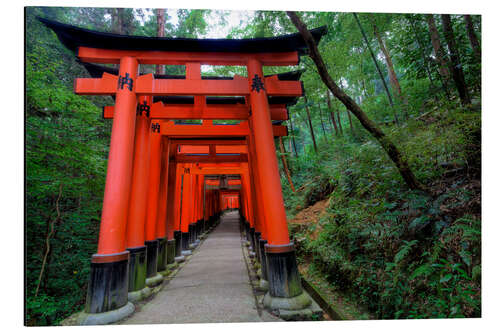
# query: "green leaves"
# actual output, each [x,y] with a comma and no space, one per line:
[404,251]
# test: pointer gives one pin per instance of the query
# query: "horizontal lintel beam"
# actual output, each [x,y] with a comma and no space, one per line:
[105,56]
[210,159]
[147,85]
[215,112]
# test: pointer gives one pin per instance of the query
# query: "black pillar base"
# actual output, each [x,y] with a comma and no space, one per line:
[185,241]
[252,239]
[257,246]
[283,274]
[137,268]
[204,225]
[162,254]
[247,230]
[191,233]
[171,251]
[199,228]
[178,243]
[152,258]
[263,259]
[108,282]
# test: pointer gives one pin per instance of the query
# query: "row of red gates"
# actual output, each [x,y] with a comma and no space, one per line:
[168,182]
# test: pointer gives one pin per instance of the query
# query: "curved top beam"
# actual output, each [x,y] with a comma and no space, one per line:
[73,37]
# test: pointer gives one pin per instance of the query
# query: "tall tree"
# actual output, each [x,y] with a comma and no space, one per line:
[160,21]
[321,119]
[284,155]
[393,79]
[474,42]
[332,116]
[438,53]
[293,137]
[456,65]
[376,64]
[339,122]
[422,52]
[310,124]
[386,143]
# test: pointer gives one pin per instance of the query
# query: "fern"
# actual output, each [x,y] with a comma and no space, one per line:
[405,249]
[423,270]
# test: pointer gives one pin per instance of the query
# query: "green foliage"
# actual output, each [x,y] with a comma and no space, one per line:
[400,254]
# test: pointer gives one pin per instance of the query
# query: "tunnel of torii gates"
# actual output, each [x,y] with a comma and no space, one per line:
[168,182]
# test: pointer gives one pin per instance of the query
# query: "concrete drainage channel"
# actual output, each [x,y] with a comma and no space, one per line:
[321,310]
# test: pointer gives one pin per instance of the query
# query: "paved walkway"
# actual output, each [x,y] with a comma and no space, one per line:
[212,287]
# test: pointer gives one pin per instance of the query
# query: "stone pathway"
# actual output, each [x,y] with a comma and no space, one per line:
[212,287]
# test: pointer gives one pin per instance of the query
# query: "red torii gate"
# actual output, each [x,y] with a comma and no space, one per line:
[135,190]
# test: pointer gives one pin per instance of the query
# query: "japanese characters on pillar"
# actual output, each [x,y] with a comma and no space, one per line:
[111,261]
[267,164]
[138,202]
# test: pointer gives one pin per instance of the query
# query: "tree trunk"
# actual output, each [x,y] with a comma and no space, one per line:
[393,79]
[391,150]
[117,20]
[340,124]
[321,118]
[422,53]
[332,116]
[160,23]
[293,138]
[310,125]
[458,73]
[439,53]
[285,164]
[350,122]
[472,37]
[376,65]
[47,241]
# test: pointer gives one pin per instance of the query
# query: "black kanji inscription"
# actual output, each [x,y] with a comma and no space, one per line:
[257,83]
[144,107]
[155,127]
[125,81]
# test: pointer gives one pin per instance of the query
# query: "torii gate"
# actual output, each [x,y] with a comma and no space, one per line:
[132,191]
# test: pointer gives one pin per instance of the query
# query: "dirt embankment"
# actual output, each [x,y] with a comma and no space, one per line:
[311,215]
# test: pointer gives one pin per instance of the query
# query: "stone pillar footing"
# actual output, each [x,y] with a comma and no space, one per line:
[263,285]
[298,302]
[107,317]
[154,280]
[139,295]
[180,259]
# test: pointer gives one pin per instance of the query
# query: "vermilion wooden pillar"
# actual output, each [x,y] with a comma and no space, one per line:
[186,207]
[171,187]
[177,212]
[155,157]
[283,275]
[161,219]
[108,285]
[137,204]
[193,206]
[260,222]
